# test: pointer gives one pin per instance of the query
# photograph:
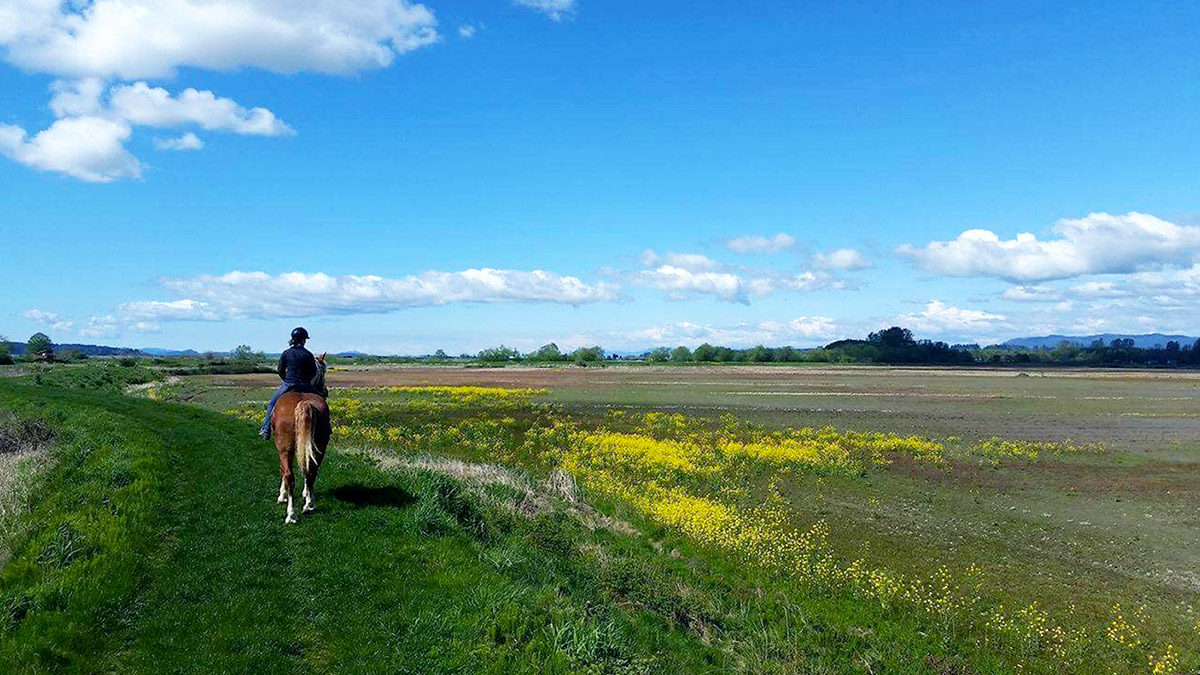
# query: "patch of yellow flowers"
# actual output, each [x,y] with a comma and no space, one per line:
[681,473]
[996,449]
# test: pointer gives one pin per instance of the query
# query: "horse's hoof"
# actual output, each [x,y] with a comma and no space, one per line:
[290,520]
[281,500]
[308,509]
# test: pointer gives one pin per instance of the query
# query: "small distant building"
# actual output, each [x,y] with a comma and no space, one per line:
[44,355]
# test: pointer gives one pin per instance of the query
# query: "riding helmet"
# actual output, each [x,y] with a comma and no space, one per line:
[299,334]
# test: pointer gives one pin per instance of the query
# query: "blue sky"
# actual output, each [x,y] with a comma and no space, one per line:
[462,174]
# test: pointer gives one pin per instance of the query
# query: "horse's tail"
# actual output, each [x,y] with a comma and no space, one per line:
[306,442]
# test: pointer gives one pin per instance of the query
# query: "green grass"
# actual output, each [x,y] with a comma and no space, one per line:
[155,545]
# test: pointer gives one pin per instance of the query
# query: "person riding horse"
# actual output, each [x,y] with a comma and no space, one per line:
[298,370]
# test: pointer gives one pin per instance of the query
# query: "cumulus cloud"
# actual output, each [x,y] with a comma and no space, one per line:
[1099,289]
[239,295]
[188,141]
[804,329]
[939,318]
[88,148]
[695,262]
[54,321]
[843,259]
[685,276]
[1099,243]
[89,141]
[555,9]
[91,44]
[143,105]
[112,38]
[680,283]
[1031,294]
[759,244]
[467,31]
[108,326]
[75,98]
[170,310]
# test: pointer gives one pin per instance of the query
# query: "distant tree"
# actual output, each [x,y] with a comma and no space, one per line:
[681,354]
[244,354]
[658,355]
[73,355]
[440,355]
[705,352]
[758,354]
[548,352]
[37,343]
[6,358]
[588,355]
[499,354]
[892,338]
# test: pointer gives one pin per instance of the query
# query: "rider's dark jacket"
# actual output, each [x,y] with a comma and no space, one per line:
[297,368]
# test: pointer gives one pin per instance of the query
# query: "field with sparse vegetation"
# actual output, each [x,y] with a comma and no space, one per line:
[629,519]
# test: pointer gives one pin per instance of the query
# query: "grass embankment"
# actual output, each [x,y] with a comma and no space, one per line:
[156,546]
[802,515]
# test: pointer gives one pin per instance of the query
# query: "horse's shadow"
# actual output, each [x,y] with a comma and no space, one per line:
[361,496]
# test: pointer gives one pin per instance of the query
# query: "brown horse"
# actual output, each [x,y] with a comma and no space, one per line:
[301,428]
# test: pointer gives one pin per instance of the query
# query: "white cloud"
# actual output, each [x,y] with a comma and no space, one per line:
[938,318]
[1031,294]
[844,259]
[759,244]
[467,31]
[76,98]
[680,283]
[1099,289]
[88,148]
[132,39]
[188,141]
[688,275]
[173,310]
[1097,244]
[801,330]
[96,42]
[89,143]
[54,321]
[143,105]
[240,295]
[555,9]
[695,262]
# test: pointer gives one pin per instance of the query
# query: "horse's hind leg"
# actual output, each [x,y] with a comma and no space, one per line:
[310,477]
[310,481]
[283,475]
[287,481]
[290,481]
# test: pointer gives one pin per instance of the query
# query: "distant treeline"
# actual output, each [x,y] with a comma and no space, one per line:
[893,346]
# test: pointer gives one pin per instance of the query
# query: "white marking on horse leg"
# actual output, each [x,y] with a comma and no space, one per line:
[309,506]
[291,512]
[282,490]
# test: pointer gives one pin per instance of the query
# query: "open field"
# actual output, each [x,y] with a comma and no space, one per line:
[1137,411]
[951,521]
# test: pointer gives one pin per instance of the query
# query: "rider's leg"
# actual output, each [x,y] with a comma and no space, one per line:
[265,430]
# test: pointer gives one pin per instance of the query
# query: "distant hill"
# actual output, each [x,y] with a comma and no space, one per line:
[154,351]
[1145,341]
[18,348]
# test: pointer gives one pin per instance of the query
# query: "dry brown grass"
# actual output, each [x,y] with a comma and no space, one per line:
[558,490]
[24,454]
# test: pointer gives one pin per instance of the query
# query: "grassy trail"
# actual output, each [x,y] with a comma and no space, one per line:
[216,583]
